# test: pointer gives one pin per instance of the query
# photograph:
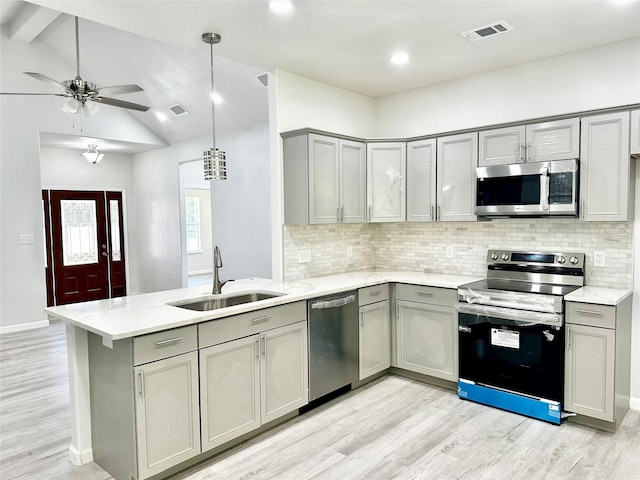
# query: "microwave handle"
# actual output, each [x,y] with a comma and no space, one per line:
[544,189]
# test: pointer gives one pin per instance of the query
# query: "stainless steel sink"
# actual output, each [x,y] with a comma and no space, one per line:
[215,302]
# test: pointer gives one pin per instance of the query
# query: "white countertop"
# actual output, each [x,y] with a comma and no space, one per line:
[598,295]
[134,315]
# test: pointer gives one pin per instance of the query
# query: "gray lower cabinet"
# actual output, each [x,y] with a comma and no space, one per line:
[250,381]
[427,331]
[597,360]
[167,413]
[375,330]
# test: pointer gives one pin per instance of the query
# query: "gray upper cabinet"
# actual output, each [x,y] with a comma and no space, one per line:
[324,180]
[421,181]
[605,168]
[537,142]
[635,133]
[457,158]
[386,173]
[502,146]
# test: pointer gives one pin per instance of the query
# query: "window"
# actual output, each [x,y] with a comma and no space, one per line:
[192,205]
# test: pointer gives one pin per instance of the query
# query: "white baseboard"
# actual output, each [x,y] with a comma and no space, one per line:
[80,458]
[23,326]
[634,403]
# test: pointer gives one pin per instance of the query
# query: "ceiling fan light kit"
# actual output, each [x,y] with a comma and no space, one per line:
[92,155]
[78,90]
[215,161]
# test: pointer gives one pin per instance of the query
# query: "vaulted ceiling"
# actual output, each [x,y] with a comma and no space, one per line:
[342,43]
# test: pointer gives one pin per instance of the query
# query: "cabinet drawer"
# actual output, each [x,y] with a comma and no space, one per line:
[168,343]
[591,314]
[245,324]
[377,293]
[432,295]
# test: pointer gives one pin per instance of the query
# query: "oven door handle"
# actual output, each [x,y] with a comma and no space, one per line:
[522,318]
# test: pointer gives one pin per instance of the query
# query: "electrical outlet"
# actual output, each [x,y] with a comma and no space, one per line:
[304,256]
[598,259]
[449,252]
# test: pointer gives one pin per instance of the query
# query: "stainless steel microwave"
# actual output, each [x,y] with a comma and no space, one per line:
[528,189]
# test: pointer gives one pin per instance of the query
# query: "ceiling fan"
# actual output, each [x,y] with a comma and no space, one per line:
[79,90]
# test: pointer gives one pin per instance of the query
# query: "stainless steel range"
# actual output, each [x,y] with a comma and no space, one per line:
[511,332]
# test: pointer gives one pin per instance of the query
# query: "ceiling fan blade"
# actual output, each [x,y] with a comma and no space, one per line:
[26,93]
[44,78]
[120,103]
[120,89]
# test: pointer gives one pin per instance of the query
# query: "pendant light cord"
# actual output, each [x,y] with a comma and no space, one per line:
[213,109]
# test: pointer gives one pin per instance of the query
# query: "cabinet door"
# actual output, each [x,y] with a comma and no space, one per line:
[375,345]
[501,146]
[605,167]
[353,181]
[167,419]
[229,390]
[421,181]
[284,370]
[558,140]
[386,165]
[635,133]
[457,161]
[323,179]
[427,339]
[589,371]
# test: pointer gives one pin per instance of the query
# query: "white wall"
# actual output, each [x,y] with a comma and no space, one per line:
[239,209]
[22,282]
[597,78]
[62,168]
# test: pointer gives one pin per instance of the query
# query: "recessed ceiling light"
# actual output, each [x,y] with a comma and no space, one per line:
[161,116]
[399,58]
[280,7]
[217,99]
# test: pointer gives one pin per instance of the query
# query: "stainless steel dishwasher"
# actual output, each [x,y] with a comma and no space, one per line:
[333,343]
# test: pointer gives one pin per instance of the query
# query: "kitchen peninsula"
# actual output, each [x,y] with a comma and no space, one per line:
[121,327]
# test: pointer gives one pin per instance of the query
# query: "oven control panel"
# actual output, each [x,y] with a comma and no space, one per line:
[532,259]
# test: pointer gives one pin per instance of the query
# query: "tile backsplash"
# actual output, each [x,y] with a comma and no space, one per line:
[423,246]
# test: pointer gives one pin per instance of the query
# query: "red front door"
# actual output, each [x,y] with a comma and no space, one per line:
[86,245]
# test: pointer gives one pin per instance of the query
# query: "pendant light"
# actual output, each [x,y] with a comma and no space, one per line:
[215,163]
[92,155]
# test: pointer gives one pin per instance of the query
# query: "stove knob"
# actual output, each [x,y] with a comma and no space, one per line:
[505,256]
[561,259]
[573,260]
[494,256]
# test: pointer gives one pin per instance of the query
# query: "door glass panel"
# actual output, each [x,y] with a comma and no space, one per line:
[114,214]
[79,232]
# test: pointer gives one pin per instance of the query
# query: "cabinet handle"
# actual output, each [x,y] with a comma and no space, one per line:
[522,152]
[589,312]
[141,387]
[375,293]
[263,339]
[582,210]
[362,319]
[424,294]
[258,347]
[529,151]
[438,213]
[342,214]
[171,340]
[261,319]
[338,214]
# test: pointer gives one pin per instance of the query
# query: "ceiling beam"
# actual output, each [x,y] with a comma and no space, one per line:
[30,22]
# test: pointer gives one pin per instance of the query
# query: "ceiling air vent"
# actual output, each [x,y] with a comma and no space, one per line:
[178,109]
[479,33]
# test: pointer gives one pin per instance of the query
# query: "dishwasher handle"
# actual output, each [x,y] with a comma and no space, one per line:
[334,303]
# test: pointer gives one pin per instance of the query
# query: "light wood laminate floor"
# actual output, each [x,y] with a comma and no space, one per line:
[392,429]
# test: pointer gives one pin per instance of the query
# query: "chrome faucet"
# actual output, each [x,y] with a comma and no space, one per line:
[217,263]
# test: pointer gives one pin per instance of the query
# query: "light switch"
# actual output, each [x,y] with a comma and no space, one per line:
[25,239]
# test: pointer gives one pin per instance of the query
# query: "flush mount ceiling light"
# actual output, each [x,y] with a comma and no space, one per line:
[280,7]
[92,155]
[399,58]
[215,161]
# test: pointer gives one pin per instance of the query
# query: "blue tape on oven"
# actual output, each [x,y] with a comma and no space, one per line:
[541,409]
